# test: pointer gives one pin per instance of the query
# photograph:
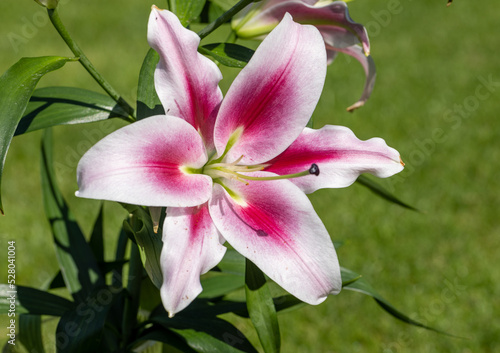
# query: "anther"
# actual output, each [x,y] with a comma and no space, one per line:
[314,169]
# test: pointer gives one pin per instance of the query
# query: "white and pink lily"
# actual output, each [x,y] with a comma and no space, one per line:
[235,169]
[340,33]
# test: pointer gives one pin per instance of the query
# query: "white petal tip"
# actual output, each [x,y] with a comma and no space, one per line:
[170,315]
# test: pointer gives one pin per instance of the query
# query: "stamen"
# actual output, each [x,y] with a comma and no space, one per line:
[313,170]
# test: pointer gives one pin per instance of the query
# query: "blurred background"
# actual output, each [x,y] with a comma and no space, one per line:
[436,101]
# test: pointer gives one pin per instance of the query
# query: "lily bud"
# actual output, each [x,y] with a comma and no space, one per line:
[50,4]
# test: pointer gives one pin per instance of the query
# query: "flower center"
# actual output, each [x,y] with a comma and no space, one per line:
[234,171]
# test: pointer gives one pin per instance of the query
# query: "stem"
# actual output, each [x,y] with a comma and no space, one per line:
[223,18]
[133,288]
[56,21]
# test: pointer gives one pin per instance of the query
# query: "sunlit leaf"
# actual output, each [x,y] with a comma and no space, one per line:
[187,10]
[232,55]
[261,308]
[16,86]
[148,103]
[52,106]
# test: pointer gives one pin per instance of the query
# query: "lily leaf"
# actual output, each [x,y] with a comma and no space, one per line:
[187,10]
[16,86]
[148,103]
[225,4]
[52,106]
[96,241]
[149,243]
[33,301]
[228,54]
[77,263]
[30,332]
[205,335]
[81,329]
[261,308]
[382,192]
[219,284]
[362,286]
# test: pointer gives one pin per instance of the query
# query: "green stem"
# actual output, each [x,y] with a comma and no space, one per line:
[133,288]
[56,21]
[223,18]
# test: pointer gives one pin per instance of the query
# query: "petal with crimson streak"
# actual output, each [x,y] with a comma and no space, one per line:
[142,163]
[273,224]
[340,156]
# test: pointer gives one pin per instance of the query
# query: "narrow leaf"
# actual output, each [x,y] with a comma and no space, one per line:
[362,286]
[76,261]
[219,284]
[148,103]
[16,86]
[228,54]
[206,335]
[32,301]
[30,332]
[96,241]
[81,329]
[261,308]
[52,106]
[149,243]
[382,192]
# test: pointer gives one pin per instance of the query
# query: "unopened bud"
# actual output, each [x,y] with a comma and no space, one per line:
[50,4]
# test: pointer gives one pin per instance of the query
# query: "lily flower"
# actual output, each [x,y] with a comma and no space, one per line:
[340,33]
[235,169]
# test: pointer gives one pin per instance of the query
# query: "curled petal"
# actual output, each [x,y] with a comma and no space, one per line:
[273,224]
[370,72]
[143,164]
[340,156]
[191,247]
[186,81]
[275,97]
[332,19]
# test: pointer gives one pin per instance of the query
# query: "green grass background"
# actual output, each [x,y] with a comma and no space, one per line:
[439,266]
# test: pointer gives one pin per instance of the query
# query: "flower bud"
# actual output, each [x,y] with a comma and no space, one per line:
[50,4]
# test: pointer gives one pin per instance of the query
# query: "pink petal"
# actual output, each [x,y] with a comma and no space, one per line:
[274,96]
[340,156]
[141,164]
[186,81]
[191,247]
[370,72]
[273,224]
[333,21]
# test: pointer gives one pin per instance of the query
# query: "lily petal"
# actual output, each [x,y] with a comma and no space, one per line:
[368,66]
[273,224]
[186,81]
[275,97]
[191,247]
[332,19]
[340,156]
[142,163]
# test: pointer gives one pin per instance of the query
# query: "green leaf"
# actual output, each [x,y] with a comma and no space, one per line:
[52,106]
[30,333]
[219,284]
[232,262]
[261,308]
[149,243]
[362,286]
[33,301]
[206,335]
[81,329]
[148,103]
[16,86]
[96,241]
[161,334]
[228,54]
[187,10]
[77,263]
[382,192]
